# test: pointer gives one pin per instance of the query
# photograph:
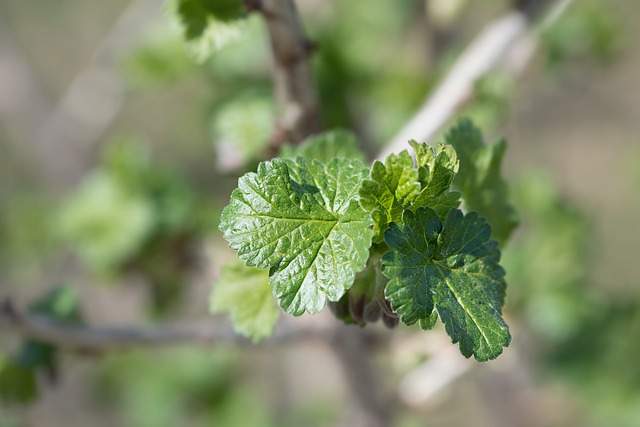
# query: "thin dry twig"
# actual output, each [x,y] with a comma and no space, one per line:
[100,339]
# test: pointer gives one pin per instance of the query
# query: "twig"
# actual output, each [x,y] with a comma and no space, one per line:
[100,339]
[293,83]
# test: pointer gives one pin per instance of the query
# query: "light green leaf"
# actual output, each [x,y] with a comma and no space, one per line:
[326,146]
[436,169]
[245,293]
[241,129]
[392,187]
[452,268]
[301,219]
[479,179]
[105,221]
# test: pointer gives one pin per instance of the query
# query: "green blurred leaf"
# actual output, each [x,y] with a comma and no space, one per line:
[242,128]
[452,268]
[104,221]
[590,29]
[246,294]
[302,220]
[479,178]
[17,382]
[326,146]
[208,25]
[195,14]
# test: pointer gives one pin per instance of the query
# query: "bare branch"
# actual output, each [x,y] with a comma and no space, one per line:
[99,339]
[293,82]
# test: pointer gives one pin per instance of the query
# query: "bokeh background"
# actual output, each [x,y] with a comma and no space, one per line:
[120,144]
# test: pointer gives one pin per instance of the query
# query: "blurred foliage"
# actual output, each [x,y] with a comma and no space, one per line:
[202,386]
[26,239]
[19,373]
[583,331]
[590,30]
[240,141]
[129,215]
[207,25]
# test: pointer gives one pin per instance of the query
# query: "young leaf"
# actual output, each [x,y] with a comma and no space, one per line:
[452,268]
[436,169]
[479,180]
[245,293]
[301,219]
[195,14]
[325,146]
[392,187]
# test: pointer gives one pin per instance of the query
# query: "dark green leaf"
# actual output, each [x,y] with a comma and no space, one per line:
[452,268]
[195,14]
[301,219]
[479,178]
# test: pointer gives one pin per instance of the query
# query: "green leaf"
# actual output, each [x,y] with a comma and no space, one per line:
[207,25]
[301,219]
[452,268]
[245,293]
[326,146]
[437,169]
[392,187]
[241,129]
[479,179]
[195,14]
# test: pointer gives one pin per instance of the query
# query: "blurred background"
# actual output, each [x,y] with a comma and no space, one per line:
[120,144]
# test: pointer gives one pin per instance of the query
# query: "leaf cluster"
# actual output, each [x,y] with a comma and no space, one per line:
[386,241]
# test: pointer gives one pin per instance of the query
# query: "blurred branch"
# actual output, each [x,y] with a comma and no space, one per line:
[374,406]
[507,37]
[293,82]
[99,339]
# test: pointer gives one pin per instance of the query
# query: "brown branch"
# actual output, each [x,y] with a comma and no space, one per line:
[294,87]
[100,339]
[373,405]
